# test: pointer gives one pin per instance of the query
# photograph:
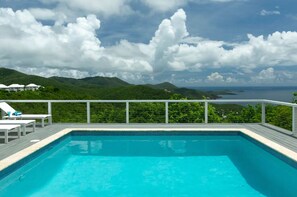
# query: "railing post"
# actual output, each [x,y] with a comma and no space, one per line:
[263,115]
[206,112]
[166,112]
[294,120]
[88,113]
[127,112]
[49,107]
[49,111]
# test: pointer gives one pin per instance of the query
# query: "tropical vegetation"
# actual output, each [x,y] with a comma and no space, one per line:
[100,88]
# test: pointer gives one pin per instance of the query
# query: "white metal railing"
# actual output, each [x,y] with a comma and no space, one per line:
[263,103]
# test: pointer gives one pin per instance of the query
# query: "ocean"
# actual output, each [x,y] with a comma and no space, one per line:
[273,93]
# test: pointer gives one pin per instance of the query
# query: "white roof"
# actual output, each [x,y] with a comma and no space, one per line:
[3,86]
[32,85]
[16,86]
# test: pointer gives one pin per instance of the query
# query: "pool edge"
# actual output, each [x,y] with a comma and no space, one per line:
[16,157]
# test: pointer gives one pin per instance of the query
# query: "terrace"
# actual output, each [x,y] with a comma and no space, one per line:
[281,136]
[169,144]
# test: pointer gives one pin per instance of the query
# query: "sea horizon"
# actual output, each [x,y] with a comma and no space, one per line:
[279,93]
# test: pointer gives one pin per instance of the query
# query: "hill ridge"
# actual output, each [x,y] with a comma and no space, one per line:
[99,87]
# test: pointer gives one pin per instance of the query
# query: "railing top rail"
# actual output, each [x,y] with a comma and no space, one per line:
[159,101]
[280,103]
[135,101]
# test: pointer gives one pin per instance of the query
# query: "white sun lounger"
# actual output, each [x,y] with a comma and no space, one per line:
[23,123]
[9,128]
[8,109]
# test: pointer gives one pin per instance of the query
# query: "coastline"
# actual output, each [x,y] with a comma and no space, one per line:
[279,93]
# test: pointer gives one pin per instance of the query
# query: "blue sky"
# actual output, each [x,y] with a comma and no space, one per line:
[186,42]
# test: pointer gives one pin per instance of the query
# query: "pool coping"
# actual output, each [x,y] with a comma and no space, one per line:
[18,156]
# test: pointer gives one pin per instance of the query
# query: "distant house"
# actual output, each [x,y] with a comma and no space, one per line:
[32,86]
[15,87]
[18,87]
[3,87]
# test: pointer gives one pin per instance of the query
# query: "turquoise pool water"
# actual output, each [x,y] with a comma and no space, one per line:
[153,164]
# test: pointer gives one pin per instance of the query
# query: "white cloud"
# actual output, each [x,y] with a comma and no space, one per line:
[289,75]
[168,35]
[48,72]
[68,11]
[48,14]
[28,44]
[216,77]
[266,75]
[231,80]
[278,48]
[76,8]
[163,5]
[43,13]
[269,12]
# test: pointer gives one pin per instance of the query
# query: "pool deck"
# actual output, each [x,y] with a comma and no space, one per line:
[279,136]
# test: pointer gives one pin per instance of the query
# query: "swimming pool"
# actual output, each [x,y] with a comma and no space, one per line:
[152,163]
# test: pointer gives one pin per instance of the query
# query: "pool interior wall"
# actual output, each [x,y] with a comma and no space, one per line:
[267,174]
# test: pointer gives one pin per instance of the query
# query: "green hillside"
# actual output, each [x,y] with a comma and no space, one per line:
[140,92]
[69,88]
[9,76]
[96,88]
[105,81]
[166,85]
[91,82]
[187,92]
[116,89]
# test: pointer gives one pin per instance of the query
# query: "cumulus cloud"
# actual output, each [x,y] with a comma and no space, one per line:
[289,75]
[269,12]
[265,75]
[165,5]
[106,8]
[43,13]
[274,75]
[69,10]
[217,78]
[166,39]
[48,14]
[278,48]
[231,80]
[48,72]
[74,8]
[26,43]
